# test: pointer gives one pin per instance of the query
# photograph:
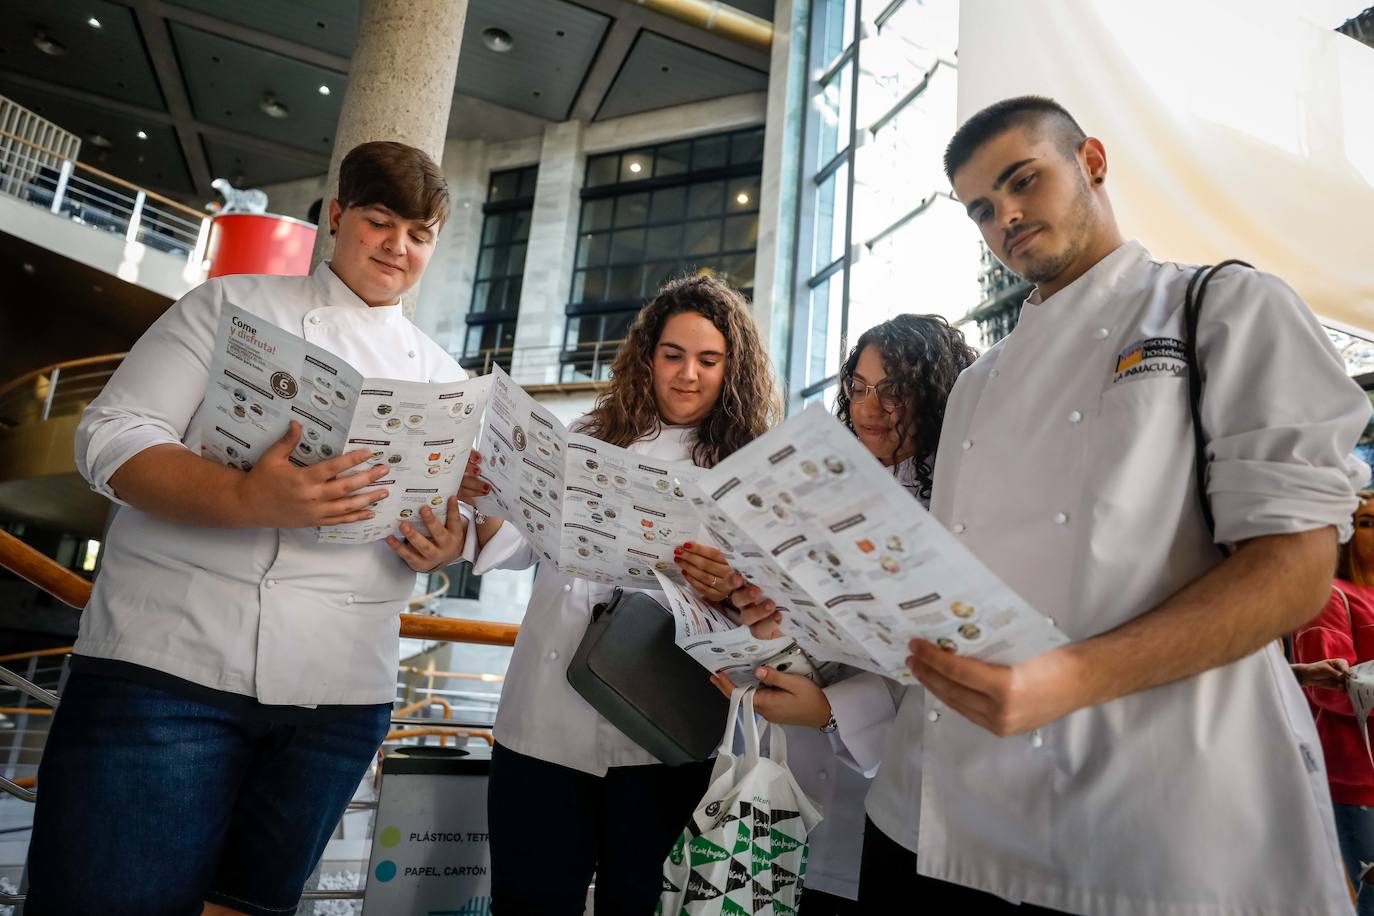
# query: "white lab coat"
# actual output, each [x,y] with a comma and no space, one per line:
[1066,466]
[266,613]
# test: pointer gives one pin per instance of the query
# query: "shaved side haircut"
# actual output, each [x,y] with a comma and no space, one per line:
[1033,113]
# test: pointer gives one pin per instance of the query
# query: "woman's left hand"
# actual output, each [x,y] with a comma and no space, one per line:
[1329,672]
[442,547]
[705,570]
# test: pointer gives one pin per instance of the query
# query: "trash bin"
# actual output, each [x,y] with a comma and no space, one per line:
[429,843]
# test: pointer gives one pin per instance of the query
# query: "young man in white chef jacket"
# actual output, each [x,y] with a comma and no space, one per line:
[1164,763]
[233,676]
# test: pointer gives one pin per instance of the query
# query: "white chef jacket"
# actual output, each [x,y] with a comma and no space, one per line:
[1066,465]
[540,714]
[266,613]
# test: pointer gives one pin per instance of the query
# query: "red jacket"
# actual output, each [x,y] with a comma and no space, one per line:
[1336,634]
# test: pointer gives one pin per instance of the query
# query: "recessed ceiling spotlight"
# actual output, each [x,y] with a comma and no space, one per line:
[48,45]
[30,269]
[100,141]
[93,22]
[273,107]
[324,90]
[636,167]
[498,40]
[142,135]
[742,198]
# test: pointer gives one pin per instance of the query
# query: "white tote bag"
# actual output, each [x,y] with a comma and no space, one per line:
[744,852]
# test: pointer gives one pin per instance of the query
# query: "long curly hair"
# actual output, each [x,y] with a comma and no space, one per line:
[749,403]
[922,356]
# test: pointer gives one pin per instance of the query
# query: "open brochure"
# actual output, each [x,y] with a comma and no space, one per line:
[857,564]
[600,512]
[262,377]
[1360,687]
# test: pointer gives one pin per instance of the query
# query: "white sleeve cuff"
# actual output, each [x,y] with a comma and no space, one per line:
[470,538]
[864,710]
[507,549]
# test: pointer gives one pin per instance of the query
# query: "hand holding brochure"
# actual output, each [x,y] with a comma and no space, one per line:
[262,377]
[600,512]
[1360,687]
[857,564]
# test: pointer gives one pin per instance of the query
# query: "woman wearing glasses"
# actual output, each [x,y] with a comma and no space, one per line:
[893,389]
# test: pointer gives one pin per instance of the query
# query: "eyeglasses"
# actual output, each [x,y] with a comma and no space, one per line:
[856,391]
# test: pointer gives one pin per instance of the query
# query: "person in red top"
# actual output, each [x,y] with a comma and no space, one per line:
[1323,651]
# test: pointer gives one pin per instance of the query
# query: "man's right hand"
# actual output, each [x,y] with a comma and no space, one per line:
[279,494]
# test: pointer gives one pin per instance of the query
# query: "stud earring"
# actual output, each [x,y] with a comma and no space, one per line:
[336,232]
[1097,180]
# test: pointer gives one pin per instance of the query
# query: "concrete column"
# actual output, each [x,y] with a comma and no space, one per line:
[549,258]
[401,84]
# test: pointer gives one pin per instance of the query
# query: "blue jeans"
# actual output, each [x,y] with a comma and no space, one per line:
[1355,832]
[150,803]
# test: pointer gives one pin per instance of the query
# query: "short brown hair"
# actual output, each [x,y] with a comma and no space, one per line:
[399,177]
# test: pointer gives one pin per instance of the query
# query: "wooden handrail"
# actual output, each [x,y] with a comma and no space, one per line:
[69,588]
[166,201]
[19,382]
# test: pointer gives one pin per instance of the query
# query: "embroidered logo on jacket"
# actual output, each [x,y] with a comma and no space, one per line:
[1153,357]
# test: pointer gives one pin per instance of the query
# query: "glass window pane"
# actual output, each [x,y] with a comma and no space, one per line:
[632,210]
[570,333]
[636,164]
[742,195]
[472,345]
[668,205]
[603,170]
[657,273]
[506,340]
[484,261]
[625,283]
[515,262]
[593,248]
[672,159]
[496,299]
[823,344]
[615,326]
[832,116]
[829,218]
[513,286]
[747,147]
[528,177]
[706,199]
[519,226]
[596,214]
[664,242]
[741,232]
[627,245]
[493,226]
[738,270]
[480,293]
[504,186]
[703,237]
[710,152]
[589,285]
[834,28]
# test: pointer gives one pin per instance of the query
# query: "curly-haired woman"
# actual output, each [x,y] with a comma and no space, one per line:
[569,794]
[893,388]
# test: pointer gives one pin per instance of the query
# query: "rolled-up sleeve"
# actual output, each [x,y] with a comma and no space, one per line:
[152,396]
[1279,412]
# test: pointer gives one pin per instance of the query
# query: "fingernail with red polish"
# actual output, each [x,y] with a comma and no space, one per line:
[688,545]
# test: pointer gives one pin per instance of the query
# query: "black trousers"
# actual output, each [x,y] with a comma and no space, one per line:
[816,903]
[888,882]
[551,828]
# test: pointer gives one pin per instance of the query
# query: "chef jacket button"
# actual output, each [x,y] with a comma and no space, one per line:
[1075,417]
[349,600]
[1051,620]
[995,372]
[966,444]
[1036,738]
[411,354]
[1100,333]
[933,715]
[822,775]
[269,583]
[553,655]
[958,528]
[567,587]
[314,319]
[1061,518]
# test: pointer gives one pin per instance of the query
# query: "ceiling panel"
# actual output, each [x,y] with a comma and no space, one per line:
[246,168]
[330,25]
[227,81]
[155,163]
[660,72]
[109,60]
[554,45]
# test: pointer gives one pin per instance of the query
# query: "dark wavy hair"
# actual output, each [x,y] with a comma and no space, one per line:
[748,404]
[922,356]
[1348,566]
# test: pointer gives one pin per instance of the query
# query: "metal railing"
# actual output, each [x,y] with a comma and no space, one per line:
[584,366]
[58,390]
[46,178]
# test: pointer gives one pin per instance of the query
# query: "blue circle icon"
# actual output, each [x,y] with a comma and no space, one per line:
[385,870]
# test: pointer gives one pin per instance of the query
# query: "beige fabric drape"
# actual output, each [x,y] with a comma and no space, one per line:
[1233,129]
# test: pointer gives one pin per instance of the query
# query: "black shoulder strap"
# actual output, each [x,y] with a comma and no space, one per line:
[1192,312]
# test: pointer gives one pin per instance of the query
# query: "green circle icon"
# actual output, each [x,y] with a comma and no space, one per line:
[390,837]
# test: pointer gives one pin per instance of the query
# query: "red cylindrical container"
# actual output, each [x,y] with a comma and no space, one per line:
[259,243]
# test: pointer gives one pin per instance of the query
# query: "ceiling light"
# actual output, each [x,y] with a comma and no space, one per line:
[142,135]
[498,40]
[742,198]
[99,141]
[636,167]
[272,107]
[29,269]
[93,22]
[48,45]
[324,90]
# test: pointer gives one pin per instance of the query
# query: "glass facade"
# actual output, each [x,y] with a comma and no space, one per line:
[500,269]
[879,233]
[649,215]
